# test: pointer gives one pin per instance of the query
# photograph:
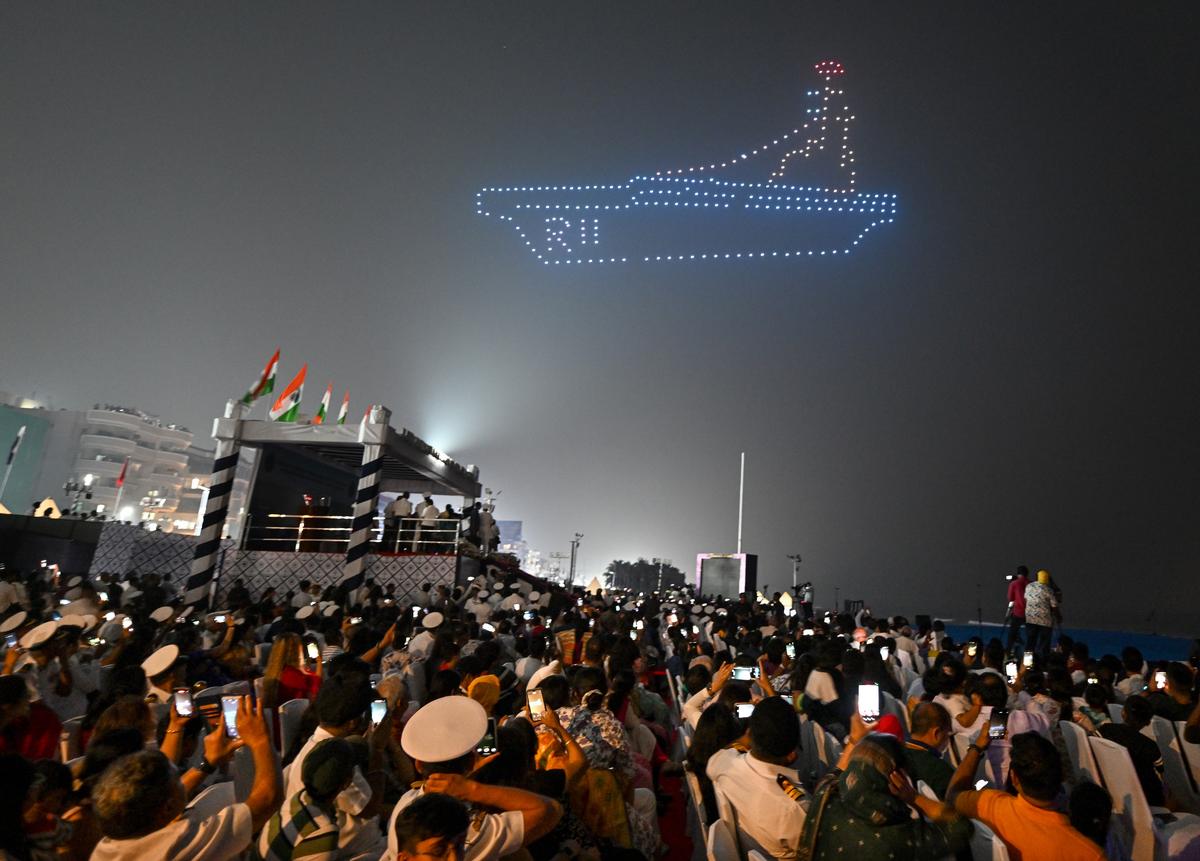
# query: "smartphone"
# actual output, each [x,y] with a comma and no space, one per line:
[672,619]
[744,710]
[94,641]
[528,615]
[695,629]
[127,623]
[313,651]
[790,648]
[103,596]
[62,602]
[1027,660]
[109,616]
[1160,679]
[516,606]
[1010,669]
[379,709]
[807,632]
[537,705]
[998,723]
[487,744]
[489,627]
[183,702]
[884,651]
[639,624]
[578,602]
[972,648]
[745,674]
[981,784]
[10,640]
[868,703]
[416,612]
[229,708]
[220,620]
[1092,680]
[633,635]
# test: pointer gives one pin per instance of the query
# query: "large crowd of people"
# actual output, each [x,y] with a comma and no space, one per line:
[510,717]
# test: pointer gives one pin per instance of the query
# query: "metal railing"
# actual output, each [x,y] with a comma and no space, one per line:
[330,533]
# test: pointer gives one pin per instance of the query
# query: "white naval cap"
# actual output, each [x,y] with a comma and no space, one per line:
[161,661]
[305,611]
[554,668]
[430,622]
[445,729]
[13,622]
[163,613]
[39,635]
[535,596]
[72,620]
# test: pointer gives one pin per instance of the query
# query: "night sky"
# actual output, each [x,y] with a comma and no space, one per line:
[1006,375]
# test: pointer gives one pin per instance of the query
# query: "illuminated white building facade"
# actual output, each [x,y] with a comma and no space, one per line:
[165,479]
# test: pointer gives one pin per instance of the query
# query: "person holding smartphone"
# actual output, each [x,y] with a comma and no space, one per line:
[1029,822]
[441,739]
[1171,691]
[294,671]
[139,801]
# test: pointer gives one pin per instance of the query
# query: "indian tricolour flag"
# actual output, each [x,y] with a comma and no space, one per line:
[287,405]
[322,410]
[266,381]
[345,410]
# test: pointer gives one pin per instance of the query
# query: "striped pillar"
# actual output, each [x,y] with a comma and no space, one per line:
[366,503]
[208,546]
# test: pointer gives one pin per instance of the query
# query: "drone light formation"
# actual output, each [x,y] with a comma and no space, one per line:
[700,213]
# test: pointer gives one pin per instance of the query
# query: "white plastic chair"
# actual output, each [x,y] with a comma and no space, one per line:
[722,846]
[1148,839]
[289,722]
[241,770]
[1082,763]
[893,706]
[1175,771]
[985,845]
[68,739]
[697,827]
[236,689]
[213,799]
[1190,752]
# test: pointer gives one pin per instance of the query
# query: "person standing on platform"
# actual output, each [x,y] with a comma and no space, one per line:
[396,517]
[1040,604]
[1016,606]
[806,601]
[489,533]
[427,511]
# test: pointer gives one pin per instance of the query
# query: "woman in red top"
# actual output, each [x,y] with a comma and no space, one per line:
[287,677]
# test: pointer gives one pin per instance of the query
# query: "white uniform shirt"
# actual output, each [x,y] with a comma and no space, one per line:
[768,819]
[191,837]
[420,646]
[493,835]
[526,667]
[83,682]
[956,704]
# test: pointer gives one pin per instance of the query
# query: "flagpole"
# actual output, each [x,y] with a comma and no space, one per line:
[12,458]
[116,513]
[4,483]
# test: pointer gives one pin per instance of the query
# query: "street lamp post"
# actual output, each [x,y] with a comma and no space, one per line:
[81,490]
[660,563]
[795,557]
[574,553]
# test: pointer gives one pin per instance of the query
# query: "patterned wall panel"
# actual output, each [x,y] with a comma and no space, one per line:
[128,549]
[260,569]
[407,573]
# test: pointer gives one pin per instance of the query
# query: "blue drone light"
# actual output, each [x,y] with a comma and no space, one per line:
[701,212]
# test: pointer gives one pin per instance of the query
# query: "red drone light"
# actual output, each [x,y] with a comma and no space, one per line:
[829,68]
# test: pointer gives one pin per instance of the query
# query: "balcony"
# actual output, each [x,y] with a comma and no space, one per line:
[105,444]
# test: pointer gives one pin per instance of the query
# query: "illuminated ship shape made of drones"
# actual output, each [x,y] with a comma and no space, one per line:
[709,212]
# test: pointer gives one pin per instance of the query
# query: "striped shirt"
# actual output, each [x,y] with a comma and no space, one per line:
[308,832]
